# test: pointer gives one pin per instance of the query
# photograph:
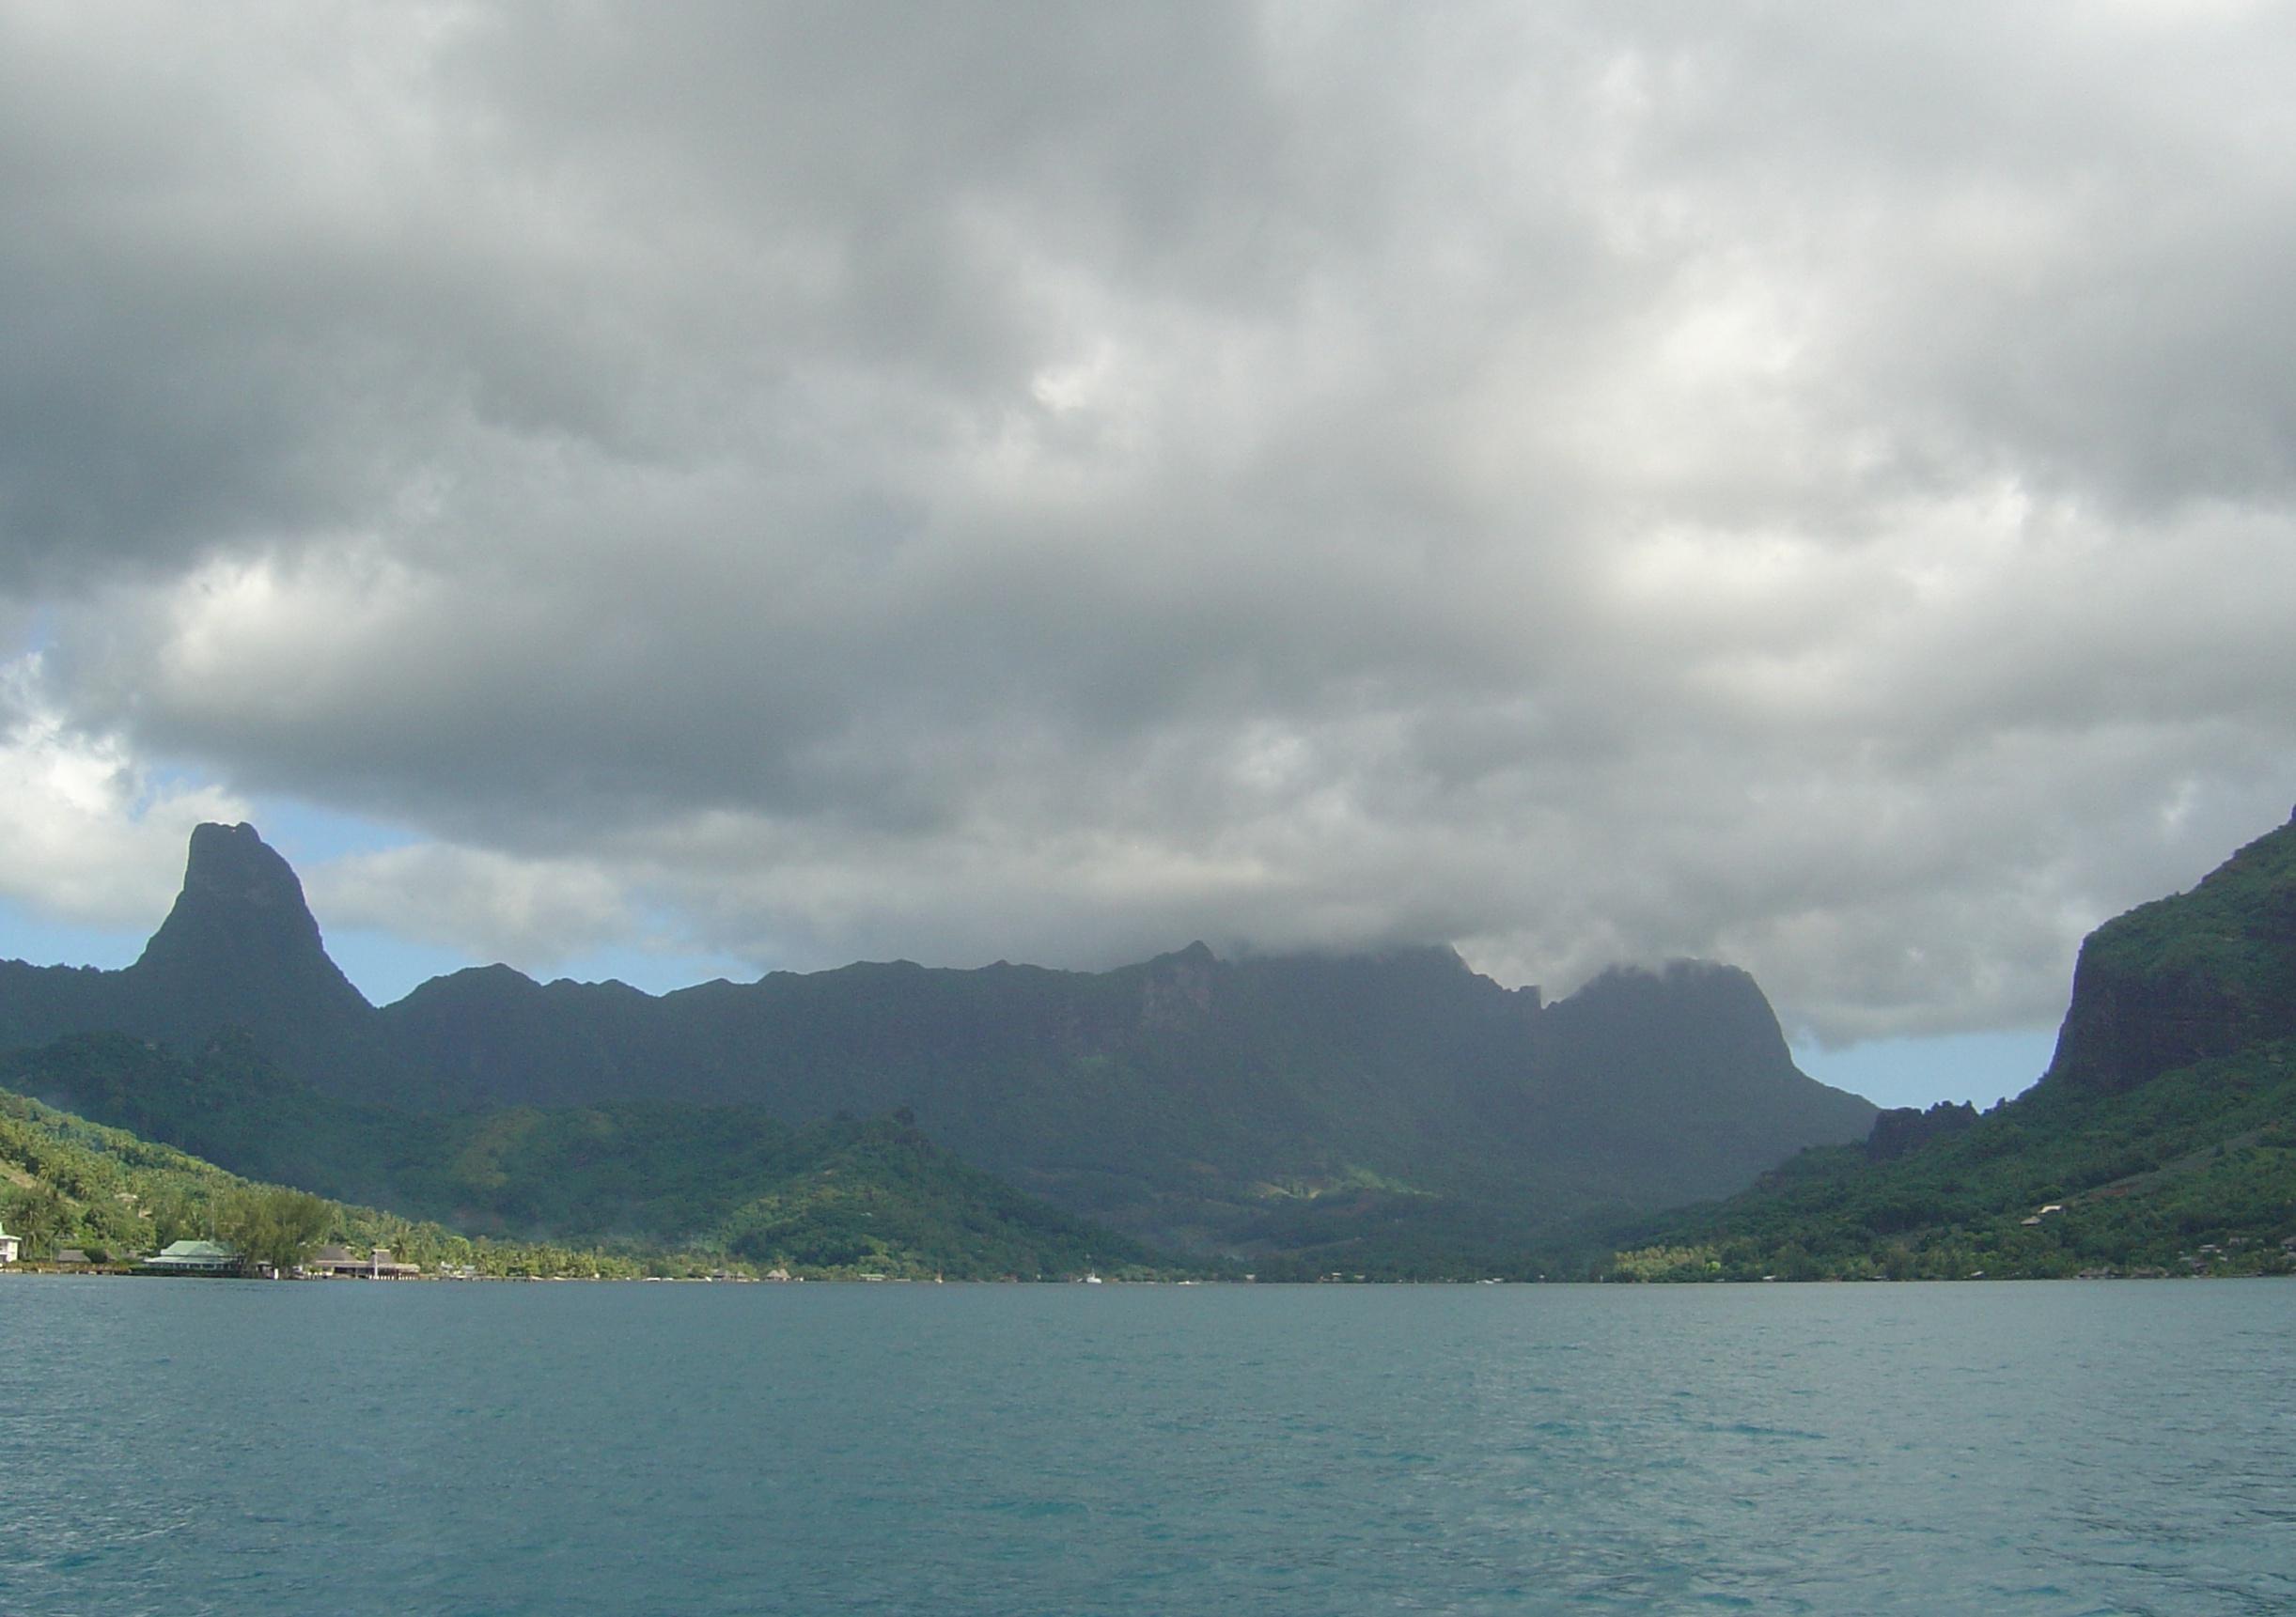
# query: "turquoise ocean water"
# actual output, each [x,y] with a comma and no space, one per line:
[257,1449]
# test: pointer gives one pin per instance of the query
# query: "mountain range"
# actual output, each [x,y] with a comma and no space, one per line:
[1197,1103]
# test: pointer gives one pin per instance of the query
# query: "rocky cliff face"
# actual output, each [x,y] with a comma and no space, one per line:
[1904,1128]
[2128,1026]
[2199,975]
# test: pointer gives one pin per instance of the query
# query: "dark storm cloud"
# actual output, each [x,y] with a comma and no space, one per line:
[1802,486]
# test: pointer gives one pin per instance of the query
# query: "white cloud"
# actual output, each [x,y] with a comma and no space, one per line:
[1797,485]
[530,913]
[94,838]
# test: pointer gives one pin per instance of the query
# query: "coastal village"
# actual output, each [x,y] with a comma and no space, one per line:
[332,1261]
[200,1257]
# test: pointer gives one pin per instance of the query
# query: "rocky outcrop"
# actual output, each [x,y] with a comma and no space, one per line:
[2199,975]
[2126,1027]
[1903,1128]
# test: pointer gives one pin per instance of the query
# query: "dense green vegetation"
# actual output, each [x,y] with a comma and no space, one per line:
[272,1227]
[2163,1139]
[727,1184]
[67,1182]
[2193,1173]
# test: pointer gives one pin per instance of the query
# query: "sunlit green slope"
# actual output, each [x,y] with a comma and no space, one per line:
[726,1183]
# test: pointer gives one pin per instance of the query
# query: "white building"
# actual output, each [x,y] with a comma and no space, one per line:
[9,1245]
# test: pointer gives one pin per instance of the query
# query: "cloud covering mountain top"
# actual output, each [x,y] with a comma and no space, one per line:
[1803,487]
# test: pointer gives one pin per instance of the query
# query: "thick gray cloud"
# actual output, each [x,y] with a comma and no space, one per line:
[1805,486]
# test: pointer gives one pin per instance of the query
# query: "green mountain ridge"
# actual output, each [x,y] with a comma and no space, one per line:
[1243,1107]
[2161,1141]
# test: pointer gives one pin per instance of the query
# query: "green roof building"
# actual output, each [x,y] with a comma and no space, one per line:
[195,1257]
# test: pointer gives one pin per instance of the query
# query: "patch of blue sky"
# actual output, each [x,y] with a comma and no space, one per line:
[39,633]
[26,935]
[385,967]
[1981,1068]
[657,972]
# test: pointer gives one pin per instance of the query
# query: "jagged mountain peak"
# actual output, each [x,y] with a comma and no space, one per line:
[242,949]
[232,868]
[240,912]
[234,864]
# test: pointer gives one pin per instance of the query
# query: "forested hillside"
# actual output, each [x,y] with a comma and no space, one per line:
[637,1179]
[67,1183]
[2162,1139]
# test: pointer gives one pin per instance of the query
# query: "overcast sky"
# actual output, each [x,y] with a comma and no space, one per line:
[1811,487]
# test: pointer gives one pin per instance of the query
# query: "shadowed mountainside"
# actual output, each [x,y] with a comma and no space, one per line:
[1189,1100]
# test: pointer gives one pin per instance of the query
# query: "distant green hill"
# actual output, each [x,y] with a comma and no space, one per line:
[1299,1106]
[637,1179]
[2164,1134]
